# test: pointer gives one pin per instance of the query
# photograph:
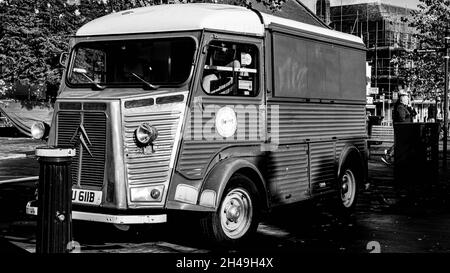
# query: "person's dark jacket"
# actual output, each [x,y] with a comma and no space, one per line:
[403,113]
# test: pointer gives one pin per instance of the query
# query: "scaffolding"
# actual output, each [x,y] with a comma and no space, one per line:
[385,31]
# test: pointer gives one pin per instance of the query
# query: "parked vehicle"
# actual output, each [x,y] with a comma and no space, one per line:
[224,111]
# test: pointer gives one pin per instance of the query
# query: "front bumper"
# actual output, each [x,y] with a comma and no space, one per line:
[108,218]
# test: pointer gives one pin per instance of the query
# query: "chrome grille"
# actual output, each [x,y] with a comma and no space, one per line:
[87,168]
[68,123]
[149,168]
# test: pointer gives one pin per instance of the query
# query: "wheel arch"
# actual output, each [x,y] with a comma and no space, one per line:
[219,176]
[351,154]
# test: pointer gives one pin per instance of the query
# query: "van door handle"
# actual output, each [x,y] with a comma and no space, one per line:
[198,101]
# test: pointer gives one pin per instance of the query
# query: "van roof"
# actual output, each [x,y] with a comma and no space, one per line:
[196,16]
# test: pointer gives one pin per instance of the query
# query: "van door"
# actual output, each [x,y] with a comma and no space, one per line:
[227,107]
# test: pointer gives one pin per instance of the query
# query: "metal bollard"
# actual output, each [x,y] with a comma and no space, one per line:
[54,200]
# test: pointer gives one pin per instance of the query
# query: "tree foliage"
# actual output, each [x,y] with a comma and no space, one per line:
[269,4]
[424,72]
[33,34]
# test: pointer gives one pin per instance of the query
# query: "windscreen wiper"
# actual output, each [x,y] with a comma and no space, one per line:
[95,85]
[147,85]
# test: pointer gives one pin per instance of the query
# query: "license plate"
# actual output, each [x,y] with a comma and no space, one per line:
[86,197]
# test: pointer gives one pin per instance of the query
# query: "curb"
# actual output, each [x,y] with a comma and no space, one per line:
[12,156]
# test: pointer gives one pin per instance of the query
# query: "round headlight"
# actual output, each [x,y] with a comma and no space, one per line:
[155,193]
[146,134]
[38,130]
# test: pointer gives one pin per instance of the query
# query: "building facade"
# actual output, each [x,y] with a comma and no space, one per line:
[323,10]
[385,30]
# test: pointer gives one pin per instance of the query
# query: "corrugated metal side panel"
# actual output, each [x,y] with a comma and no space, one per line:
[201,141]
[149,168]
[200,124]
[313,121]
[339,147]
[360,144]
[288,173]
[195,157]
[323,167]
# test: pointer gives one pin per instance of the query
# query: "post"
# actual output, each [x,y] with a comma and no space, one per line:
[54,200]
[444,151]
[376,54]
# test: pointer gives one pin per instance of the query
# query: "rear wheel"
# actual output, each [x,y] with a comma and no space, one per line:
[237,215]
[348,188]
[348,182]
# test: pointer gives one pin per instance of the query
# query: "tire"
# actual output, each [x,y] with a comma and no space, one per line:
[349,181]
[236,218]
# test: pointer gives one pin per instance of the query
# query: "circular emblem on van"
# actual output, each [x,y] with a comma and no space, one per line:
[226,122]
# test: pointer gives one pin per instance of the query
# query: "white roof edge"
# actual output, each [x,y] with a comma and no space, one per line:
[160,18]
[268,19]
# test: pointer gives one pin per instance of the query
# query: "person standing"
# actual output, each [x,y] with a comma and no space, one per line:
[432,113]
[402,112]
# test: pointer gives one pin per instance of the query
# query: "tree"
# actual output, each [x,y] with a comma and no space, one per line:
[272,5]
[424,72]
[33,34]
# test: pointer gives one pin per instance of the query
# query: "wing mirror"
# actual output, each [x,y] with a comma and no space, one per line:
[63,58]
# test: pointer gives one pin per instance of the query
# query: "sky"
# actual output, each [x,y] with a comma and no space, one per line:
[311,4]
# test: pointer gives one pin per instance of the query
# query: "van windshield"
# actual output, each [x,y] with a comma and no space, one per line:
[165,62]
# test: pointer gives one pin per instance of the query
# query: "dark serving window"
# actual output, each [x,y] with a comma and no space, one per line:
[132,62]
[231,69]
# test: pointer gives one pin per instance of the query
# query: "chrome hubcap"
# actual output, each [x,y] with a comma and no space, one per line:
[344,188]
[233,213]
[348,188]
[236,213]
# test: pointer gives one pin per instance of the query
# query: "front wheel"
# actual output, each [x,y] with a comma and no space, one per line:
[237,216]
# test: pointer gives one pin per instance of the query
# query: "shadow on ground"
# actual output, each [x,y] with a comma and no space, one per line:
[399,224]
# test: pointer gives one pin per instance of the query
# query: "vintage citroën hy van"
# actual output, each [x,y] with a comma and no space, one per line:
[210,108]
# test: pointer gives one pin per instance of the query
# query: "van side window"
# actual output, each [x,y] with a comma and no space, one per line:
[231,69]
[305,68]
